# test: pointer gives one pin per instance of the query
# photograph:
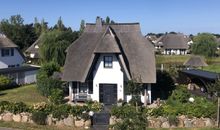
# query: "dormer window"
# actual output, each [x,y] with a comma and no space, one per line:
[7,52]
[108,61]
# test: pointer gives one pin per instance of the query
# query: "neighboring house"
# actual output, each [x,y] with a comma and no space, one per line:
[10,55]
[11,63]
[32,53]
[102,60]
[195,61]
[172,44]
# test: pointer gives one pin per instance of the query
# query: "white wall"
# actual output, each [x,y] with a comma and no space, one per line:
[112,75]
[11,60]
[30,76]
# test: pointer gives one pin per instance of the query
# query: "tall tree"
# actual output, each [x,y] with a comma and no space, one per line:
[20,34]
[107,20]
[82,26]
[204,44]
[54,44]
[60,26]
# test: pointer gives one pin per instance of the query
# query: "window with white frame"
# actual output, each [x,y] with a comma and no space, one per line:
[108,61]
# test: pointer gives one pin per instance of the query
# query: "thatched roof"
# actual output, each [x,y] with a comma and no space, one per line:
[127,41]
[173,41]
[34,48]
[195,61]
[5,42]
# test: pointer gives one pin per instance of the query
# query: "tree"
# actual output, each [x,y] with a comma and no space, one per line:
[204,44]
[21,34]
[60,26]
[107,20]
[82,26]
[135,87]
[54,44]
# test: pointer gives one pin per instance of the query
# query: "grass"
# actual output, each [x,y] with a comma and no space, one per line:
[27,94]
[183,129]
[27,126]
[164,59]
[213,68]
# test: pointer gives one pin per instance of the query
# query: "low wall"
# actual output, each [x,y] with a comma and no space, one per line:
[182,122]
[26,118]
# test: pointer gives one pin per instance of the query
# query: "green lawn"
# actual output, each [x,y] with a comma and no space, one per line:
[27,94]
[184,129]
[213,68]
[181,59]
[27,126]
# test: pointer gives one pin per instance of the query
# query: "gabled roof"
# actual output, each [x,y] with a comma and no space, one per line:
[128,41]
[108,43]
[5,42]
[173,41]
[195,61]
[34,49]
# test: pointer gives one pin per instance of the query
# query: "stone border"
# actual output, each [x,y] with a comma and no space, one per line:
[26,118]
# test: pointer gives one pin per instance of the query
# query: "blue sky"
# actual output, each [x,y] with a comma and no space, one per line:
[187,16]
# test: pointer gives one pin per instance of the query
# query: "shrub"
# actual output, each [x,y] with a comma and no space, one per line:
[5,82]
[13,107]
[94,106]
[46,85]
[131,118]
[61,111]
[39,117]
[56,96]
[172,120]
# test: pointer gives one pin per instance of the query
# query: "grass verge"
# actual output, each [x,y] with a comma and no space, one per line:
[27,94]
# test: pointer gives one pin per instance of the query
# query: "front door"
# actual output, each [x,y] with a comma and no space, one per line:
[108,93]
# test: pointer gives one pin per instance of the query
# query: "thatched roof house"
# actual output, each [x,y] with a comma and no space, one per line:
[195,61]
[109,54]
[33,50]
[173,43]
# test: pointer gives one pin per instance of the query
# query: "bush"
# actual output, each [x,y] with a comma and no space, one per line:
[13,107]
[94,106]
[56,96]
[172,120]
[132,119]
[5,82]
[45,83]
[39,117]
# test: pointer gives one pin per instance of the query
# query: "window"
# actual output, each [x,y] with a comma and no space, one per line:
[5,52]
[12,51]
[108,61]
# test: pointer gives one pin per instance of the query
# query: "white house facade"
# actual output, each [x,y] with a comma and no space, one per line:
[11,63]
[10,57]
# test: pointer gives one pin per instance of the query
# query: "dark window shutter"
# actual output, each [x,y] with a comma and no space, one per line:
[90,87]
[74,87]
[12,51]
[2,51]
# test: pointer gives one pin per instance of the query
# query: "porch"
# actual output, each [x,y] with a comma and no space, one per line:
[107,94]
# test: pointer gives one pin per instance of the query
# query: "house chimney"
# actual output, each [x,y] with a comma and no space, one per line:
[98,23]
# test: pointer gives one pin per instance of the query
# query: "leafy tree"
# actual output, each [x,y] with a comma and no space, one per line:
[20,34]
[54,45]
[82,26]
[135,88]
[204,44]
[60,26]
[107,20]
[45,83]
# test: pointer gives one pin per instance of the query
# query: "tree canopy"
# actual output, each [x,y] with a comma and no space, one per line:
[204,44]
[54,44]
[21,34]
